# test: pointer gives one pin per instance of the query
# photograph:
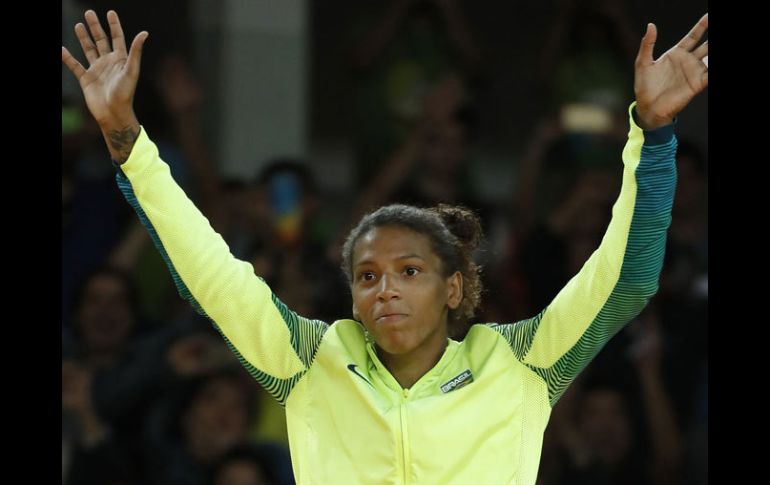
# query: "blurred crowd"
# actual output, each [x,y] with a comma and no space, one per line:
[151,394]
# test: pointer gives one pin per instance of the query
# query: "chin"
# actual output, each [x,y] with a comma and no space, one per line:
[395,344]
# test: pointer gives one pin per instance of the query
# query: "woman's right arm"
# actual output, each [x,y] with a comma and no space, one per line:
[272,342]
[275,344]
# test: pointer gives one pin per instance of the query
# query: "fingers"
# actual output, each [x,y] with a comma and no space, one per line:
[85,42]
[77,69]
[693,37]
[102,44]
[702,51]
[135,54]
[644,58]
[118,40]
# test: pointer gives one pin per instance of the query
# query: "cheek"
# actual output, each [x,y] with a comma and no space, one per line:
[363,299]
[435,298]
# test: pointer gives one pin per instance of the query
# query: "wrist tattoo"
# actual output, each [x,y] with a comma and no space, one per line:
[122,141]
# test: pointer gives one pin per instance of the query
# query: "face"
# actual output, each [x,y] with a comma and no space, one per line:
[217,418]
[400,292]
[105,313]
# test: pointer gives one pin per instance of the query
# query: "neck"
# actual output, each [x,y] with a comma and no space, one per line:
[408,368]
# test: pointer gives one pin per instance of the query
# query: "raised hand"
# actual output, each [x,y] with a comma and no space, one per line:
[110,81]
[665,86]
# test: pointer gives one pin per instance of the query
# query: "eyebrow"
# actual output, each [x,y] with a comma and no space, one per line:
[406,256]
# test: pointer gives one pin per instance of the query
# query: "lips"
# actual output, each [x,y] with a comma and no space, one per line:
[390,317]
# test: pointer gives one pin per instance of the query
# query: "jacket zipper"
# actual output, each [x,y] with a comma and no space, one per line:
[404,436]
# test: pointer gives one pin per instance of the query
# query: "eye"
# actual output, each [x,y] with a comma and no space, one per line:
[366,276]
[411,271]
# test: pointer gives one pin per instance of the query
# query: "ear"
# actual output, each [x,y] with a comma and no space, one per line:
[356,316]
[454,290]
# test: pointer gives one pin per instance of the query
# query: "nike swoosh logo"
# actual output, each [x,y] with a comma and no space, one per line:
[352,368]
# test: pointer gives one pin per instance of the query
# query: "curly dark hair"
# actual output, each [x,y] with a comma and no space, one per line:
[454,233]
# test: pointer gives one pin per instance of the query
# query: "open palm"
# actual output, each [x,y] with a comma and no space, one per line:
[665,86]
[110,81]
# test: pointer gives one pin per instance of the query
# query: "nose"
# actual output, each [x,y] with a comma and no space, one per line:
[387,289]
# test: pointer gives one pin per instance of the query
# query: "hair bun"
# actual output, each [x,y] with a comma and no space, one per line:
[461,222]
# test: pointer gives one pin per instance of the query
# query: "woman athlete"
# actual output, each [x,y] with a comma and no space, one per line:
[388,396]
